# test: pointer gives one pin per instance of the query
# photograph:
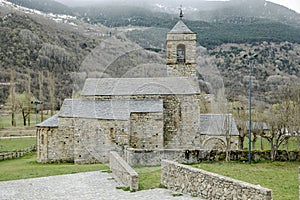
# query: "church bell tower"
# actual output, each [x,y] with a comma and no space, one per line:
[181,50]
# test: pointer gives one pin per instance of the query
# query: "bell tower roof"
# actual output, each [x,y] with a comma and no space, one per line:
[180,27]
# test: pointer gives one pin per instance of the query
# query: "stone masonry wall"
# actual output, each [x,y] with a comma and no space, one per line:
[123,172]
[146,130]
[207,185]
[55,145]
[181,69]
[181,122]
[94,139]
[180,119]
[153,157]
[189,40]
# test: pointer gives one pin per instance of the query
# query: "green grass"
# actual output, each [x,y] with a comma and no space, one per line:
[262,142]
[281,177]
[6,121]
[27,167]
[149,177]
[16,144]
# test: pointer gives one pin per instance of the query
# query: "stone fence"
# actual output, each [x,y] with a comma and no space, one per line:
[123,172]
[207,185]
[153,157]
[16,154]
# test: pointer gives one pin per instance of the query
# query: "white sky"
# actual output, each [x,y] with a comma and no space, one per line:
[292,4]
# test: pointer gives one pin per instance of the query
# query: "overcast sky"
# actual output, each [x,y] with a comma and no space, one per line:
[292,4]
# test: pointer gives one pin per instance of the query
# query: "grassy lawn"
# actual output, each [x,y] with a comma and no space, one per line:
[27,167]
[281,177]
[16,144]
[149,177]
[6,121]
[262,142]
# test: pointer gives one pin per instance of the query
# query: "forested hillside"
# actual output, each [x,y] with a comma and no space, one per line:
[235,21]
[33,43]
[40,50]
[277,65]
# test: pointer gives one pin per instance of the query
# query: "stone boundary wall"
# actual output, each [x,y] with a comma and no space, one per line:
[16,154]
[144,157]
[207,185]
[123,172]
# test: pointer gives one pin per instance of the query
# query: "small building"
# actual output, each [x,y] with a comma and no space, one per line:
[217,131]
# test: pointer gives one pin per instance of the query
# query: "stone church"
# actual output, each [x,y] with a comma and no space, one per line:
[127,114]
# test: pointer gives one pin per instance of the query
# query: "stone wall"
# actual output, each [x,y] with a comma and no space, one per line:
[16,154]
[50,145]
[123,172]
[189,40]
[181,121]
[153,157]
[94,139]
[188,68]
[218,142]
[82,140]
[146,130]
[207,185]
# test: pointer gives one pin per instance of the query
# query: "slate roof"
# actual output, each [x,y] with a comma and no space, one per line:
[51,122]
[139,86]
[180,28]
[216,124]
[107,109]
[254,125]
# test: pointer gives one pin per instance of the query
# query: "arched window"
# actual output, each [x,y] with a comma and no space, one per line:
[181,53]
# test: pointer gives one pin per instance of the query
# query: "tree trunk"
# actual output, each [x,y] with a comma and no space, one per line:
[241,143]
[274,151]
[51,85]
[41,94]
[13,119]
[24,117]
[261,143]
[28,88]
[254,142]
[13,98]
[298,139]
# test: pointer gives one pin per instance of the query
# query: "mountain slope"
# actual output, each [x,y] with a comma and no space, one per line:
[33,43]
[47,6]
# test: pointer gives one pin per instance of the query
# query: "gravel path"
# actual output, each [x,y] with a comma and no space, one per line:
[86,186]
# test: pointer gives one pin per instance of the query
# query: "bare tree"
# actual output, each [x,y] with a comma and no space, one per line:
[28,96]
[283,119]
[51,88]
[13,100]
[240,114]
[21,104]
[41,93]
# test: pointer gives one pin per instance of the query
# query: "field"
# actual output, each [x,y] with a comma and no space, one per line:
[5,119]
[16,144]
[27,167]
